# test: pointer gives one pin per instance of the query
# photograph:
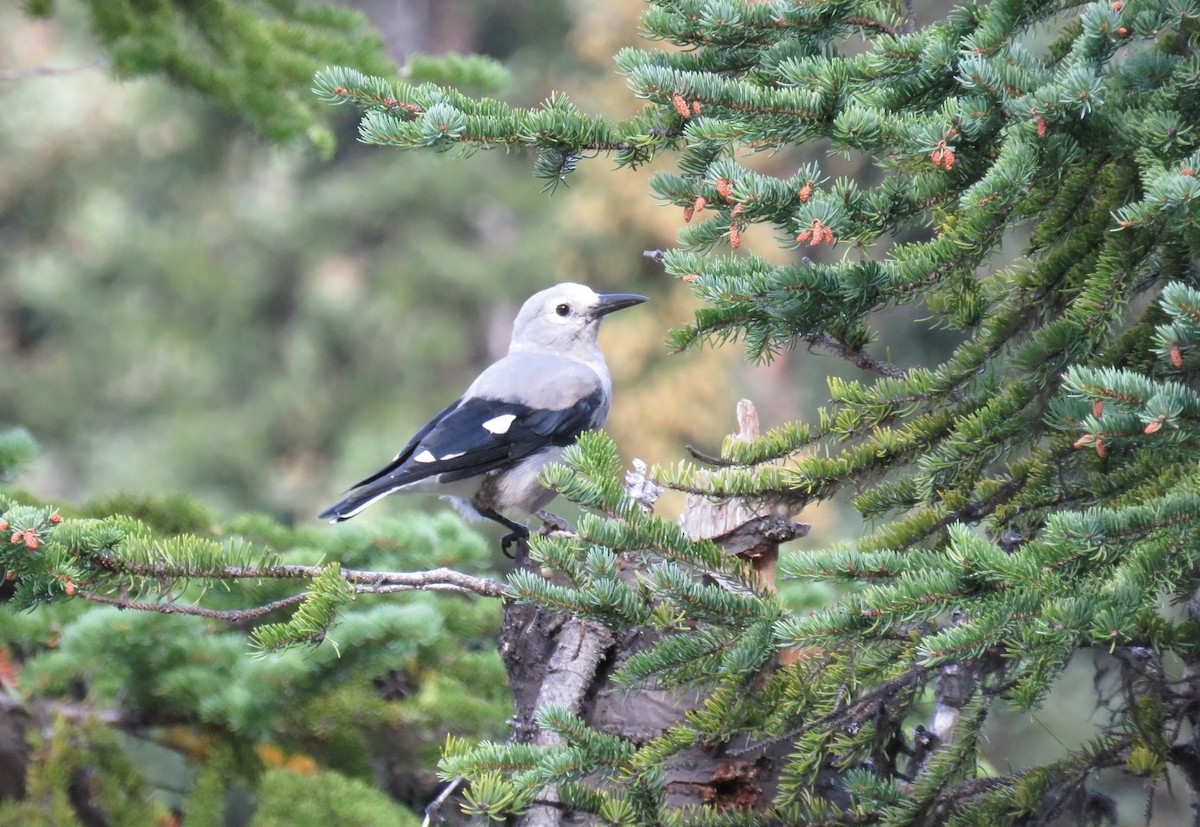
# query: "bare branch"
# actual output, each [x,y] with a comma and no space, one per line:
[230,615]
[47,71]
[366,582]
[581,648]
[855,356]
[433,812]
[441,579]
[865,361]
[70,710]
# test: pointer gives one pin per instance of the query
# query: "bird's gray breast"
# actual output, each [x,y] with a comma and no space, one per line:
[517,488]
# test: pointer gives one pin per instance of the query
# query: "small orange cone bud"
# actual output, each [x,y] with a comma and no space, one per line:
[1086,439]
[688,212]
[1153,427]
[700,204]
[32,541]
[696,110]
[55,518]
[735,237]
[69,586]
[806,192]
[1100,450]
[1097,408]
[725,188]
[1188,171]
[1042,125]
[3,525]
[942,156]
[17,537]
[691,277]
[816,235]
[680,105]
[1176,356]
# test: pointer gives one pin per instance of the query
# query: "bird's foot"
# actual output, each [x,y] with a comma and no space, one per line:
[517,534]
[514,538]
[552,523]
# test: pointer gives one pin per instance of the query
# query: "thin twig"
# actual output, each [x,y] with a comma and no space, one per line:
[868,23]
[65,709]
[855,356]
[47,71]
[864,361]
[435,807]
[230,615]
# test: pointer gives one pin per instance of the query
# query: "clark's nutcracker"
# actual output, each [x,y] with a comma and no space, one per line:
[484,452]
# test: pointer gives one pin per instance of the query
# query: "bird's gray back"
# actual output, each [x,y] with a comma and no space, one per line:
[543,380]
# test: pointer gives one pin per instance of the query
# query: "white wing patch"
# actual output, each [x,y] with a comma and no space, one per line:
[500,424]
[424,456]
[453,456]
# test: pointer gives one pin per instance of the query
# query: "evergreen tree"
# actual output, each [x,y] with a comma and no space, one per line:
[1033,495]
[255,58]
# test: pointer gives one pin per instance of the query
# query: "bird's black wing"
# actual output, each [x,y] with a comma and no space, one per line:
[472,437]
[463,445]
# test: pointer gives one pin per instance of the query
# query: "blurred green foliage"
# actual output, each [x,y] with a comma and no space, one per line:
[397,675]
[255,57]
[185,309]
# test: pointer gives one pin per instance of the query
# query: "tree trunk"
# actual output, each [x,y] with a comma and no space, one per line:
[567,661]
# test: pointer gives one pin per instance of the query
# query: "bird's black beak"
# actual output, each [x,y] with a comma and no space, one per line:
[610,302]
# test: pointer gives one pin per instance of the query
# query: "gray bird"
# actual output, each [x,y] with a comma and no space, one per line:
[484,452]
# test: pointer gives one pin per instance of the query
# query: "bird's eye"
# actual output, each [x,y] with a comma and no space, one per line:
[563,310]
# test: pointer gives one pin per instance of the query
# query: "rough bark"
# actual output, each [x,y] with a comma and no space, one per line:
[570,662]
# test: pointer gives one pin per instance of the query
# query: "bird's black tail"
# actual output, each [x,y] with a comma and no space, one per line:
[356,501]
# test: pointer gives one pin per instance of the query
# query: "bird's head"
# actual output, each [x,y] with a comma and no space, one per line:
[565,318]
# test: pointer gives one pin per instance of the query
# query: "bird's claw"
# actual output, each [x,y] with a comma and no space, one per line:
[552,523]
[513,538]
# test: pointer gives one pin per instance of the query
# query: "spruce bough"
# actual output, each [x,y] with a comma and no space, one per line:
[1034,494]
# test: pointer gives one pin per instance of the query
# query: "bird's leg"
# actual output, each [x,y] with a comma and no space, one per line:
[517,532]
[552,523]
